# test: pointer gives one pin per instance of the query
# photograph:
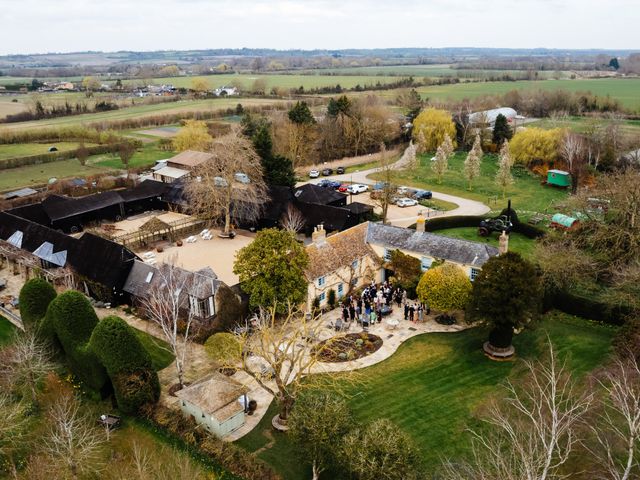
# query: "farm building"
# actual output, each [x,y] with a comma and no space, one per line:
[188,160]
[201,287]
[216,402]
[169,174]
[95,265]
[559,178]
[489,117]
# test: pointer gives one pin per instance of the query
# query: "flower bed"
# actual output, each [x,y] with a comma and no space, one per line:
[344,348]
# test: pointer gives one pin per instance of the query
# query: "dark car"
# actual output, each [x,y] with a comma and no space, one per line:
[340,170]
[325,183]
[334,184]
[327,171]
[422,195]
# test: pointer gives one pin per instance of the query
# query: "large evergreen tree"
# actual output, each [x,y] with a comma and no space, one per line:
[300,114]
[506,295]
[278,170]
[501,130]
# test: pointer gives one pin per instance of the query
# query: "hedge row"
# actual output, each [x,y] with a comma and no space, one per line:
[442,223]
[73,133]
[586,307]
[35,297]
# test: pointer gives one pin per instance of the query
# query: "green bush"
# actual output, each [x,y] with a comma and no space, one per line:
[35,297]
[72,318]
[442,223]
[135,383]
[331,298]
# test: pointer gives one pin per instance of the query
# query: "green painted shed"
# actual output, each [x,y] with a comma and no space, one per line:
[563,221]
[559,178]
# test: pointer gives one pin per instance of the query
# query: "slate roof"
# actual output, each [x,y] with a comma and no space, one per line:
[216,395]
[430,244]
[201,284]
[310,193]
[358,208]
[96,258]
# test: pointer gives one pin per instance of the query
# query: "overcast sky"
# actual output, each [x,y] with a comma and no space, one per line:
[36,26]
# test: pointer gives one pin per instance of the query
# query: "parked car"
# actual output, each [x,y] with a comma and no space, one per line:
[334,184]
[220,182]
[340,170]
[242,178]
[406,191]
[406,202]
[357,188]
[325,183]
[327,171]
[314,174]
[422,195]
[343,187]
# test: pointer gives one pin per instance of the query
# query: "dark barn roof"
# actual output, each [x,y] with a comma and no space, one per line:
[34,212]
[358,208]
[431,244]
[98,259]
[143,191]
[310,193]
[58,208]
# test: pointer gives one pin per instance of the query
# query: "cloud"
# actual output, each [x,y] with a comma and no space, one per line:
[76,25]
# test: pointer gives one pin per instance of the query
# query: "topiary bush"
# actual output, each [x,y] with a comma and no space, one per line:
[72,318]
[445,288]
[331,298]
[35,296]
[135,383]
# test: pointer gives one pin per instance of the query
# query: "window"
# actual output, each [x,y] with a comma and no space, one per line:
[202,307]
[354,265]
[387,255]
[321,281]
[340,290]
[354,282]
[425,263]
[474,273]
[322,297]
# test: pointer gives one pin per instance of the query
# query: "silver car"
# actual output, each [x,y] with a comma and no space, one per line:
[406,202]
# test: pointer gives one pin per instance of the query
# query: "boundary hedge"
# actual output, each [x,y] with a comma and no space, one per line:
[586,307]
[41,158]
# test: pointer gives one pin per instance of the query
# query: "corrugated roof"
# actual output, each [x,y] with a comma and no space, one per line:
[310,193]
[171,172]
[23,192]
[190,158]
[58,207]
[430,244]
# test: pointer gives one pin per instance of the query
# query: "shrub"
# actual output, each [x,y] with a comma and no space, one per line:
[135,383]
[445,287]
[536,146]
[331,298]
[35,296]
[72,318]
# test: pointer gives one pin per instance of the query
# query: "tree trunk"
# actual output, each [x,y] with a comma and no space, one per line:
[286,404]
[315,470]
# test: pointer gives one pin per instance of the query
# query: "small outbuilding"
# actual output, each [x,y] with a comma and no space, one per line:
[558,178]
[217,403]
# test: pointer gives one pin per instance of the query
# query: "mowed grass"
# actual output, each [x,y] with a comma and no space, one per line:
[625,90]
[7,330]
[161,357]
[517,242]
[582,124]
[14,150]
[13,178]
[527,194]
[433,385]
[144,157]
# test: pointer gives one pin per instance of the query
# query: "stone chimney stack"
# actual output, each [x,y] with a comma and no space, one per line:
[420,221]
[319,235]
[503,245]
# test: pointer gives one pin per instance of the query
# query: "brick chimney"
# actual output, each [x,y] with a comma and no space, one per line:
[503,243]
[420,221]
[319,235]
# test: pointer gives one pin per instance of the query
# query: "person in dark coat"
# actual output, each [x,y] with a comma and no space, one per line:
[412,311]
[406,311]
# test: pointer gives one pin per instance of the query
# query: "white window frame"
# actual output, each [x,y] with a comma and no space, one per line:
[387,255]
[425,263]
[473,273]
[322,297]
[321,281]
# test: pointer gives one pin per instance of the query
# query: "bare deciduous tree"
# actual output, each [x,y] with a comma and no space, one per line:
[472,162]
[14,427]
[618,428]
[73,439]
[503,176]
[532,432]
[24,364]
[293,220]
[276,355]
[215,192]
[572,151]
[384,197]
[166,302]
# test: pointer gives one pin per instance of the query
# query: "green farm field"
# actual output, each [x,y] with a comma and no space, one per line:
[25,149]
[141,111]
[433,385]
[626,91]
[276,80]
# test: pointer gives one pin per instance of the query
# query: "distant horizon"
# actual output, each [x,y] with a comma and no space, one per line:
[69,26]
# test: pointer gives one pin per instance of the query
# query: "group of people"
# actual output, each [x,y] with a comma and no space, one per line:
[368,307]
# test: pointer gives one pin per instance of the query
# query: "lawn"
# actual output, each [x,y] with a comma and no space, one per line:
[14,150]
[437,204]
[144,157]
[527,194]
[434,383]
[517,242]
[13,178]
[157,349]
[623,89]
[6,330]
